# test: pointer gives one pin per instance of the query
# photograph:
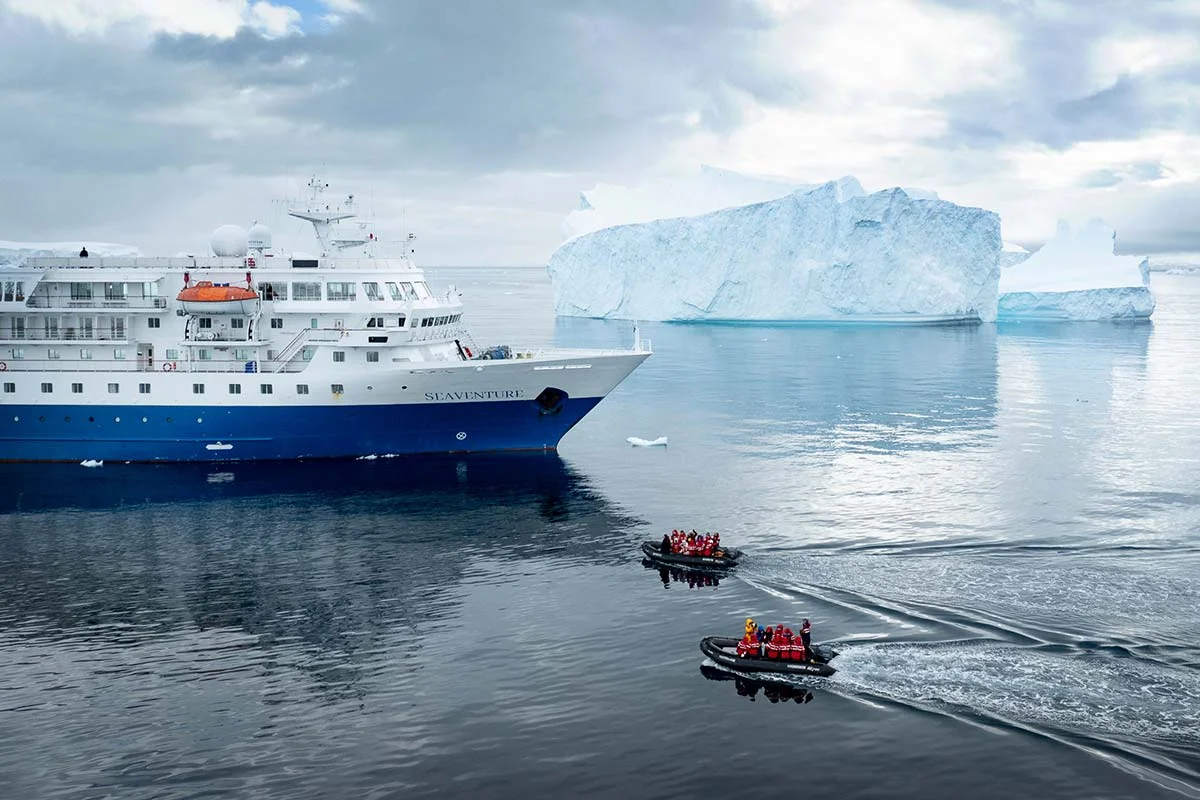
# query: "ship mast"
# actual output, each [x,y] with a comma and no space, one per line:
[322,215]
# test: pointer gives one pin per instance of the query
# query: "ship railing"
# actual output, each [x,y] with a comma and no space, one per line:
[63,336]
[102,303]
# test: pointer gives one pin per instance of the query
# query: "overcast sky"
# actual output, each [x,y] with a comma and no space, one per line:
[476,123]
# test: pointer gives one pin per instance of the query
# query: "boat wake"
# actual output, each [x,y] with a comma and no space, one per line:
[1013,656]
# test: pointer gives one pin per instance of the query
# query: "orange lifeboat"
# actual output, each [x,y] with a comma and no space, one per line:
[207,298]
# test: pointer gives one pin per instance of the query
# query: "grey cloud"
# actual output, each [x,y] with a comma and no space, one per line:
[488,85]
[1052,101]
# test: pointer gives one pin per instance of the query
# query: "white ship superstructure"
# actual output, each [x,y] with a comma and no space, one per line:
[250,354]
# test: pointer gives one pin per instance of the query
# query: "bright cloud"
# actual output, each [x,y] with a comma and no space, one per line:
[219,18]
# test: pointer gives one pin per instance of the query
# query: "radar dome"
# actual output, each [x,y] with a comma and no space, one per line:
[259,237]
[229,241]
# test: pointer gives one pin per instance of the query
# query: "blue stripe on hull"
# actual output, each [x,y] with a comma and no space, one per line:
[254,433]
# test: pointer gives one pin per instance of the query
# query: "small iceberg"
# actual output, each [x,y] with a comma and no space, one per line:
[91,463]
[636,442]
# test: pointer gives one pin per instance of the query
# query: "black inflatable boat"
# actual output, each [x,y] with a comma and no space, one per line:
[728,559]
[723,651]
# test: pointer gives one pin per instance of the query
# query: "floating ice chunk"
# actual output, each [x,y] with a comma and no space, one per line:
[637,442]
[1076,276]
[91,463]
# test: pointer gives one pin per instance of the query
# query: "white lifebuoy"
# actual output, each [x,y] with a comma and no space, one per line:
[169,366]
[3,366]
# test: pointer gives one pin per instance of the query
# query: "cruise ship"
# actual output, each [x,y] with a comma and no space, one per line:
[255,355]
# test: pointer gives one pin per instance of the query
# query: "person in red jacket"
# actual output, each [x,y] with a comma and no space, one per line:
[746,647]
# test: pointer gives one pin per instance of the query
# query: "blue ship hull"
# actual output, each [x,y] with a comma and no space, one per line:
[267,433]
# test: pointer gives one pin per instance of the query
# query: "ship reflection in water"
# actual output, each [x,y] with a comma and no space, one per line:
[774,691]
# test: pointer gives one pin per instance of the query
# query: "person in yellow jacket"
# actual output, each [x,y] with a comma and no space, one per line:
[750,626]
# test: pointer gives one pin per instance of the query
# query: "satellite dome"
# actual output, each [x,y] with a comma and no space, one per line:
[259,237]
[229,241]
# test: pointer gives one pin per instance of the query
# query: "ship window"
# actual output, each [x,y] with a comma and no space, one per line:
[237,323]
[149,289]
[273,291]
[119,353]
[205,322]
[114,291]
[154,322]
[8,291]
[20,291]
[203,355]
[409,290]
[371,322]
[394,290]
[51,353]
[117,328]
[301,388]
[339,355]
[197,388]
[372,291]
[235,388]
[377,339]
[277,323]
[339,291]
[18,328]
[17,352]
[114,388]
[306,291]
[172,355]
[85,353]
[47,388]
[312,323]
[9,388]
[423,289]
[266,388]
[76,388]
[373,356]
[400,320]
[242,354]
[337,388]
[51,328]
[81,291]
[143,388]
[425,322]
[307,353]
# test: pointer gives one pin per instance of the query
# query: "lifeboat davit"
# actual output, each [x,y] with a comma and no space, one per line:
[207,298]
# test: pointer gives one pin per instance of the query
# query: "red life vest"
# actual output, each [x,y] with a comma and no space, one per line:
[798,653]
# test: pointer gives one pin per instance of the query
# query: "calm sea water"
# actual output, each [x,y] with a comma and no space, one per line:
[999,526]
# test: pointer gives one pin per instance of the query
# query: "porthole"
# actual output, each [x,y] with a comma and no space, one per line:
[199,419]
[116,419]
[16,419]
[403,387]
[41,419]
[145,419]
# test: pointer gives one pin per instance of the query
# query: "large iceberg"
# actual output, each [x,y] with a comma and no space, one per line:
[17,252]
[1076,276]
[833,253]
